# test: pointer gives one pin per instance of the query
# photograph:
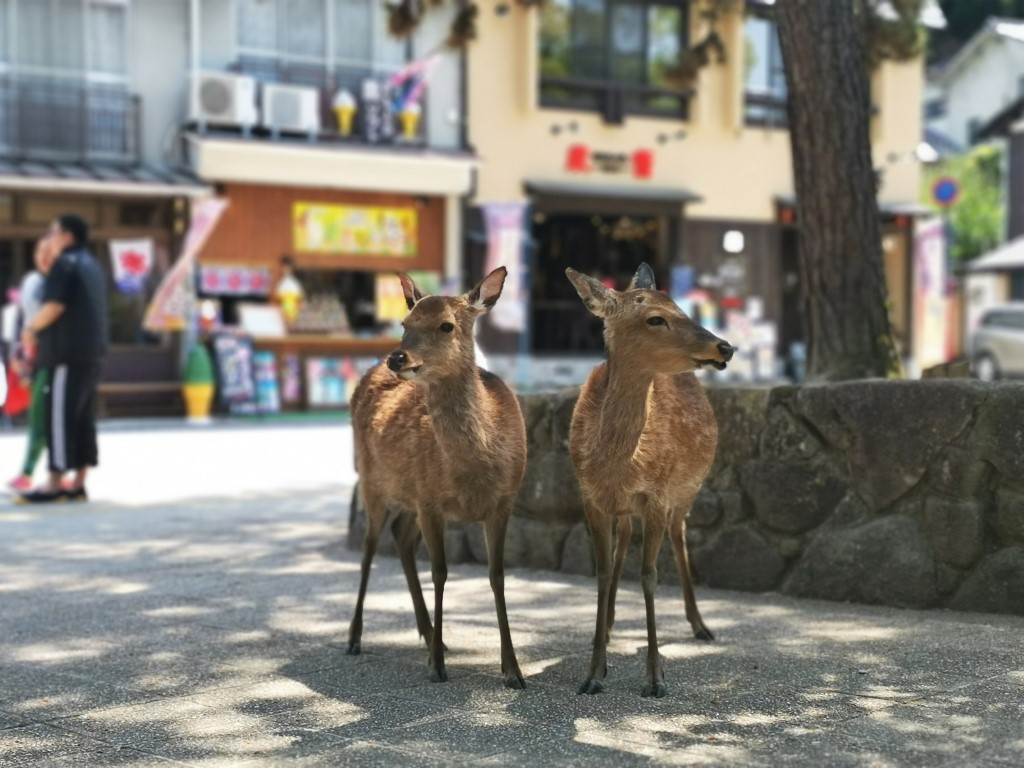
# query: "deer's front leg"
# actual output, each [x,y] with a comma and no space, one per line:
[655,523]
[494,529]
[432,525]
[600,535]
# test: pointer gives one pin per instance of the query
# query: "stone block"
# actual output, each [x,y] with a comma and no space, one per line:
[791,498]
[549,491]
[706,511]
[998,436]
[957,473]
[733,509]
[786,437]
[1009,517]
[886,561]
[996,586]
[577,552]
[534,544]
[739,558]
[890,431]
[740,412]
[956,530]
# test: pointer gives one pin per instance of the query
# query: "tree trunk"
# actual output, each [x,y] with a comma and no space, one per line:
[840,246]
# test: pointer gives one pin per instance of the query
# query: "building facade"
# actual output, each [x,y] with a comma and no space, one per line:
[614,165]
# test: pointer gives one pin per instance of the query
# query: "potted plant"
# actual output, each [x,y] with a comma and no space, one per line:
[198,383]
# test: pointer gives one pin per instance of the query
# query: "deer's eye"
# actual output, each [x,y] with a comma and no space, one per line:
[447,327]
[656,320]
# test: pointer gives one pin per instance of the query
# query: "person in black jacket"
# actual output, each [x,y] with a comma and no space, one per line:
[71,330]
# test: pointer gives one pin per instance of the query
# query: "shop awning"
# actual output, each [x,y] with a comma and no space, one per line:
[98,179]
[636,199]
[303,164]
[1007,257]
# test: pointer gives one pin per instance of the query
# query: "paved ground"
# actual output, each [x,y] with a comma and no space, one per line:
[162,625]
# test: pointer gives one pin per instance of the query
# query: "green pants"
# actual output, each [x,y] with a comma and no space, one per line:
[36,421]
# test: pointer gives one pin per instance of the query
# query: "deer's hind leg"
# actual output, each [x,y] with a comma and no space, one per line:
[494,528]
[677,535]
[406,534]
[376,516]
[623,532]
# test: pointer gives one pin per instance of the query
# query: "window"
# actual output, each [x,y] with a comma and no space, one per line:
[318,34]
[764,76]
[935,108]
[613,56]
[66,38]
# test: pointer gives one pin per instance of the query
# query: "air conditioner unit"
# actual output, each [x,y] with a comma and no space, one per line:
[224,99]
[291,108]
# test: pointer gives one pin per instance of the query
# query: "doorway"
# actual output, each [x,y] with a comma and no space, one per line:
[609,247]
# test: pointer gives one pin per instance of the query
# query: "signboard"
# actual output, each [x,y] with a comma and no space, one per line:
[236,386]
[133,261]
[945,191]
[354,229]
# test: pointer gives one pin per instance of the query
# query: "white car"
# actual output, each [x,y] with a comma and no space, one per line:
[997,344]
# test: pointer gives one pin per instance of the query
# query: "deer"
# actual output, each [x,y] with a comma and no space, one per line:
[438,438]
[642,440]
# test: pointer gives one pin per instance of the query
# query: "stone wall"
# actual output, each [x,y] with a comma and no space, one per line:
[905,493]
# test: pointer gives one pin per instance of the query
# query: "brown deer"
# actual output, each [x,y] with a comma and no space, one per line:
[438,438]
[642,440]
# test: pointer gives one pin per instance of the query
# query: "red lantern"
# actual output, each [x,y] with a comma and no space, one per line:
[786,215]
[902,221]
[643,164]
[577,158]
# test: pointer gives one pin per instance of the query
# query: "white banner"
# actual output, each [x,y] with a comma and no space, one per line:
[505,244]
[133,261]
[172,303]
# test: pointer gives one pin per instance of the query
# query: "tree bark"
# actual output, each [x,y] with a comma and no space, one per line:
[840,246]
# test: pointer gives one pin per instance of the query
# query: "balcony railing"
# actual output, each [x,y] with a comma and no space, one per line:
[614,100]
[59,120]
[327,81]
[765,110]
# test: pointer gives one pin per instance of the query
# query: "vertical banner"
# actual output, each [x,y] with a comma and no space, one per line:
[172,303]
[132,263]
[505,247]
[930,327]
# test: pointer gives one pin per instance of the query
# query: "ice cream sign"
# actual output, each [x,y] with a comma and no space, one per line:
[354,229]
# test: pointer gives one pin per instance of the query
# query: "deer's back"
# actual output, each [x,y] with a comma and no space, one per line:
[667,463]
[409,460]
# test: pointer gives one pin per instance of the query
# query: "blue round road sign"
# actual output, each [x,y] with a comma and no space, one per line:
[945,191]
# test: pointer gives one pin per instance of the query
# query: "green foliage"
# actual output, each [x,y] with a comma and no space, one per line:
[198,366]
[977,216]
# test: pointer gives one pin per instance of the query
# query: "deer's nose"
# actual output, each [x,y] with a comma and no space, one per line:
[725,349]
[397,360]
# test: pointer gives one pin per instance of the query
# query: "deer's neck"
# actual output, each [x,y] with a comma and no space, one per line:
[627,406]
[455,405]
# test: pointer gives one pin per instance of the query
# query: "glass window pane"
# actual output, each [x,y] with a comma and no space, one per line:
[588,39]
[305,25]
[388,50]
[33,34]
[353,24]
[627,43]
[664,42]
[257,24]
[69,46]
[4,29]
[763,58]
[106,31]
[555,51]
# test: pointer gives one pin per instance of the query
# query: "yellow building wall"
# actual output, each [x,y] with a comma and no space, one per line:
[737,170]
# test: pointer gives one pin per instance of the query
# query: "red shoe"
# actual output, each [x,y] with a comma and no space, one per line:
[20,484]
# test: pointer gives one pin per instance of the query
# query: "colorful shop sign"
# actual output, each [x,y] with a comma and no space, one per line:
[354,229]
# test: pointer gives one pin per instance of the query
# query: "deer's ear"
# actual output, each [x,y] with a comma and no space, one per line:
[412,293]
[485,294]
[643,279]
[598,298]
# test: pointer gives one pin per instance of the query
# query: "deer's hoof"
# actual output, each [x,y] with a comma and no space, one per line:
[591,687]
[515,682]
[438,676]
[657,690]
[354,648]
[703,634]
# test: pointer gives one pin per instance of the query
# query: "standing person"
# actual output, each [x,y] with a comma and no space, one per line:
[24,362]
[72,330]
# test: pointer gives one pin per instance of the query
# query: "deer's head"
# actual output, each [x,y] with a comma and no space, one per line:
[438,338]
[645,328]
